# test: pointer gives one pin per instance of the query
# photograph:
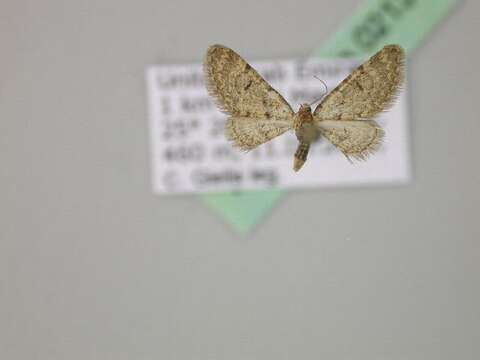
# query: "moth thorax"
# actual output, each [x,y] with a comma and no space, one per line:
[305,129]
[303,115]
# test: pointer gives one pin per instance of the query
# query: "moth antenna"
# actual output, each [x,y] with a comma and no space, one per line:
[325,93]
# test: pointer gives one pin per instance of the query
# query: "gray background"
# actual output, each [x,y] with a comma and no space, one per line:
[93,266]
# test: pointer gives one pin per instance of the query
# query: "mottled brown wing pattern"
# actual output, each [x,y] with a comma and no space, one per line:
[258,113]
[345,116]
[368,90]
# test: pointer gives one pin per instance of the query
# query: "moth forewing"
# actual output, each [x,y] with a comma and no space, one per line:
[369,90]
[258,112]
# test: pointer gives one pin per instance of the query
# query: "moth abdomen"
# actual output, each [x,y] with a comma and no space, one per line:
[300,155]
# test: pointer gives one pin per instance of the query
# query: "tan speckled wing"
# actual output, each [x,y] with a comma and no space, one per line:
[368,90]
[258,113]
[355,139]
[247,132]
[345,116]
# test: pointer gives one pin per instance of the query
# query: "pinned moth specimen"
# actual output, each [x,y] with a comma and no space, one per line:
[345,116]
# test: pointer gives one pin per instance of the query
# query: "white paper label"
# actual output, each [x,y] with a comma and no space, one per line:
[191,155]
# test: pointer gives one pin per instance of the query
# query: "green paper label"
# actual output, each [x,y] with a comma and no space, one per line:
[380,22]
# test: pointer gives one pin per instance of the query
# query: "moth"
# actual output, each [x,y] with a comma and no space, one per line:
[345,116]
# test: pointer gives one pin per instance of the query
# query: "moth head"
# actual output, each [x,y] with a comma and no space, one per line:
[304,109]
